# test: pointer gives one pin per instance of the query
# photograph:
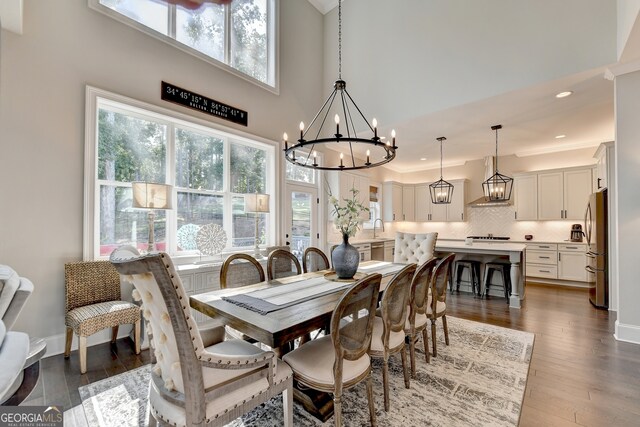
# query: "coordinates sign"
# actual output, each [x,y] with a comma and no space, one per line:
[198,102]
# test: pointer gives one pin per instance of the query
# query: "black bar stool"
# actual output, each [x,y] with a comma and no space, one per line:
[489,269]
[474,275]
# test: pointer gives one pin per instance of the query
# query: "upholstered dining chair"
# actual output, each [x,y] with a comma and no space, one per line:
[198,378]
[282,263]
[388,330]
[417,248]
[437,306]
[339,361]
[314,260]
[94,302]
[418,304]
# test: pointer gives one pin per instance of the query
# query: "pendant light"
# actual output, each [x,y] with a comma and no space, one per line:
[498,187]
[441,190]
[377,151]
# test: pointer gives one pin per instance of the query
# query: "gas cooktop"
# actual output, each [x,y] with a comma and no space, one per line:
[490,237]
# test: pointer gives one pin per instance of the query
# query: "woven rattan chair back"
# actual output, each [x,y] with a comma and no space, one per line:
[420,287]
[90,282]
[282,263]
[240,270]
[314,260]
[441,278]
[356,312]
[395,300]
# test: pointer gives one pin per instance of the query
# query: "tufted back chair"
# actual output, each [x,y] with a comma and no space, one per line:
[414,248]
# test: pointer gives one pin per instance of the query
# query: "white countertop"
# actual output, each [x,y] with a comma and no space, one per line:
[534,241]
[480,246]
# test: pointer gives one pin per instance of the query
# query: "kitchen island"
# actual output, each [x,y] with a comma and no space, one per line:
[515,252]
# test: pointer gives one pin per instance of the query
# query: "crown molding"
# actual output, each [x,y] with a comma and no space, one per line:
[620,69]
[324,6]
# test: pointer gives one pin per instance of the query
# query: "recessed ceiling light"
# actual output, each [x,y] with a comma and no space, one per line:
[423,158]
[564,94]
[560,136]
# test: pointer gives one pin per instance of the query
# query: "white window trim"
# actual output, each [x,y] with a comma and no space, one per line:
[94,95]
[273,55]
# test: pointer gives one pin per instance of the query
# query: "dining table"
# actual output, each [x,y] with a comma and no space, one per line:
[276,312]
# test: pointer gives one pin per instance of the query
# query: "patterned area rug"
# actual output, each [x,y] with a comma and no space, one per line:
[478,380]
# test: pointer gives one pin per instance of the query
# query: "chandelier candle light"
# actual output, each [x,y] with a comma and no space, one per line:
[498,187]
[441,190]
[152,196]
[378,153]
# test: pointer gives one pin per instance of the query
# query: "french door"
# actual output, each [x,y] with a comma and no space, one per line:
[301,218]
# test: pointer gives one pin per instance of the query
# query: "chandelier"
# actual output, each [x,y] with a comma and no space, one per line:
[441,190]
[303,153]
[497,187]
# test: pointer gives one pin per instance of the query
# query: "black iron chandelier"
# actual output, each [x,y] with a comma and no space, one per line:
[497,187]
[303,153]
[441,190]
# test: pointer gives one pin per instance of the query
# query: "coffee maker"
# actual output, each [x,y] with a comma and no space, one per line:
[576,233]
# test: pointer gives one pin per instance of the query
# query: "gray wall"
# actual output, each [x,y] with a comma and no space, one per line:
[66,46]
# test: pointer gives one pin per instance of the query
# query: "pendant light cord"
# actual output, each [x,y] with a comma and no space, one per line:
[340,39]
[440,159]
[496,151]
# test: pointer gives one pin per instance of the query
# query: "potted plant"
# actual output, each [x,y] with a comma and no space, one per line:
[345,257]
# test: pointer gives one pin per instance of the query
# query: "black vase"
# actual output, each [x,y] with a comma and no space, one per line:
[345,259]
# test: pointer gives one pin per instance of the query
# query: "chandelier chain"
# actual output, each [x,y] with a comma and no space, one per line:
[340,39]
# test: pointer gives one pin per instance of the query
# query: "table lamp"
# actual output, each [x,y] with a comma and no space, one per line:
[256,203]
[152,196]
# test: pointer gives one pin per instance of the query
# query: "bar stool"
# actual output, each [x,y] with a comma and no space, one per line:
[489,269]
[474,274]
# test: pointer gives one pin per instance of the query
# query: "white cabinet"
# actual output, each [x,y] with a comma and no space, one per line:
[542,260]
[341,184]
[435,212]
[399,202]
[408,203]
[572,260]
[605,157]
[526,197]
[389,248]
[563,194]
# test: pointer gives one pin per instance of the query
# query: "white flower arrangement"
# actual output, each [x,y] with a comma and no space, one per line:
[347,217]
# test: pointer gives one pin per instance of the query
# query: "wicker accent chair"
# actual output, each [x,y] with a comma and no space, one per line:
[314,260]
[198,378]
[282,263]
[94,302]
[418,305]
[437,307]
[339,361]
[388,330]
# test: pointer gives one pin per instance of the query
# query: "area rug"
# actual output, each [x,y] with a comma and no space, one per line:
[478,380]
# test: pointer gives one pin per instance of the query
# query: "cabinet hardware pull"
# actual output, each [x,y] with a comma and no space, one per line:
[544,257]
[572,247]
[544,271]
[462,216]
[394,217]
[599,186]
[547,247]
[516,213]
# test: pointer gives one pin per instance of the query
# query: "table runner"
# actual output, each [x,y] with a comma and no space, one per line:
[293,292]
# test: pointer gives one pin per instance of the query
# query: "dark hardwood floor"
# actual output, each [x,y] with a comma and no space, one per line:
[579,374]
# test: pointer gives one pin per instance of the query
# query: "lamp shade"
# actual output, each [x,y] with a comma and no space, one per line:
[256,202]
[151,195]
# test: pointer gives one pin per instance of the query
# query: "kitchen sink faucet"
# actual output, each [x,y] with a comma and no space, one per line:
[374,226]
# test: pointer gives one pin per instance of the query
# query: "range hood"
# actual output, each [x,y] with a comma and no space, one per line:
[485,202]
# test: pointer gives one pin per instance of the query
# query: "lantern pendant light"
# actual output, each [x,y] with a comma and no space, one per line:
[441,190]
[498,187]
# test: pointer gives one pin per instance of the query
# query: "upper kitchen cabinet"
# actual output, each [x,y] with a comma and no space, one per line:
[526,197]
[456,209]
[398,202]
[341,184]
[563,194]
[408,203]
[425,210]
[604,167]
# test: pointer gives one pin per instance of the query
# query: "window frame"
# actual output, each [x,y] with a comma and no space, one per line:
[273,41]
[97,98]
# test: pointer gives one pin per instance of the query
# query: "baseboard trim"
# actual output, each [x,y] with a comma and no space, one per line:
[627,333]
[55,343]
[556,282]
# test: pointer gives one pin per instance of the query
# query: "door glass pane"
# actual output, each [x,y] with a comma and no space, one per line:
[300,174]
[244,226]
[150,13]
[202,29]
[300,222]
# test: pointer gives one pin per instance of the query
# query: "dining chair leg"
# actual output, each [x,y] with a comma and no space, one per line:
[446,329]
[372,407]
[405,371]
[385,382]
[152,421]
[412,354]
[433,337]
[82,351]
[337,409]
[425,342]
[67,343]
[136,336]
[287,406]
[114,334]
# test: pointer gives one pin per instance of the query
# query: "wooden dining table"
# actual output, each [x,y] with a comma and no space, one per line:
[280,327]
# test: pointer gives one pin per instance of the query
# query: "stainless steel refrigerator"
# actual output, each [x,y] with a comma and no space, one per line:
[595,230]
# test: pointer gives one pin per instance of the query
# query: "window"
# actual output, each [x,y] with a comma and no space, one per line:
[210,171]
[240,35]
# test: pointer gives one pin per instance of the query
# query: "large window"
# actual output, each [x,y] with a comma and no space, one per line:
[240,35]
[210,170]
